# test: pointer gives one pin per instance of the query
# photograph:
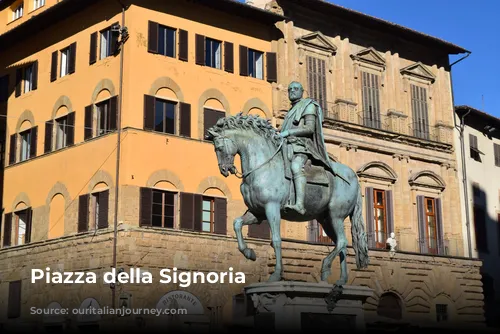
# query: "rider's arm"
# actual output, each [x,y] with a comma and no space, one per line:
[306,130]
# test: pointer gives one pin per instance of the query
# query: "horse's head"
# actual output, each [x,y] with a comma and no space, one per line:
[225,149]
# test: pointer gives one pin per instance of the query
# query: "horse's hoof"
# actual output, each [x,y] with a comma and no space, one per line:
[275,277]
[250,254]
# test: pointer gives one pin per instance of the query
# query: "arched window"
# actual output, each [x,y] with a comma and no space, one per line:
[165,113]
[23,143]
[389,305]
[60,131]
[101,116]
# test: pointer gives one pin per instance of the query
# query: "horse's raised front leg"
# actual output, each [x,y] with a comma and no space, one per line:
[247,219]
[274,219]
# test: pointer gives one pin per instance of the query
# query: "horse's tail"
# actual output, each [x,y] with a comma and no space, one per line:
[359,239]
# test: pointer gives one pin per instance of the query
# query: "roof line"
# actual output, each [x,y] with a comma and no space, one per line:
[386,24]
[477,112]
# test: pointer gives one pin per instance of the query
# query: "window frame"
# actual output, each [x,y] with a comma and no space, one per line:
[163,203]
[209,42]
[211,200]
[380,243]
[165,102]
[165,52]
[98,117]
[40,4]
[28,82]
[423,131]
[15,14]
[58,121]
[17,219]
[433,213]
[253,63]
[21,136]
[442,316]
[66,52]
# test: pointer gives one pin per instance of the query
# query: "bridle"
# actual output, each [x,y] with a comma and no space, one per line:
[233,167]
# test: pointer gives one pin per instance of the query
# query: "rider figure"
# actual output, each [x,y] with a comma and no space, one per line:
[303,128]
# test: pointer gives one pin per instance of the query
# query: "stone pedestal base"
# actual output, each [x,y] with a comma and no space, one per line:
[299,306]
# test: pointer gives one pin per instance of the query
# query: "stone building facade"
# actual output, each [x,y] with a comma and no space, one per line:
[478,143]
[107,166]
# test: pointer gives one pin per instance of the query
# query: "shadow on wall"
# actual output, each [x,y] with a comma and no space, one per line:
[487,227]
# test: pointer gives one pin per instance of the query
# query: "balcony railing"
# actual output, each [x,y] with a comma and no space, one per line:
[409,242]
[392,121]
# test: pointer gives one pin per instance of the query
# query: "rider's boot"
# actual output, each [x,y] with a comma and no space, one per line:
[300,190]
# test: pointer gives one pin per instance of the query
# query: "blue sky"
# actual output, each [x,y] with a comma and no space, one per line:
[471,24]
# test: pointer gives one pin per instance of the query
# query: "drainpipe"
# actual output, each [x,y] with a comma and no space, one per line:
[123,33]
[464,168]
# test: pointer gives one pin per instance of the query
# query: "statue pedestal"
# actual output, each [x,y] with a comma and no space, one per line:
[298,306]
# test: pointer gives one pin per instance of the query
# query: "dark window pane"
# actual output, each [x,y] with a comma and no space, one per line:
[251,64]
[161,41]
[208,49]
[169,210]
[170,52]
[159,118]
[169,222]
[157,197]
[169,198]
[157,209]
[170,118]
[156,221]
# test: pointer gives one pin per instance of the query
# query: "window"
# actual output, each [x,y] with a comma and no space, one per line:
[212,53]
[379,216]
[165,116]
[441,312]
[420,112]
[431,227]
[316,80]
[21,226]
[474,150]
[208,215]
[371,100]
[380,224]
[100,118]
[61,132]
[103,117]
[25,146]
[14,305]
[163,209]
[108,43]
[210,118]
[18,12]
[65,61]
[480,228]
[93,211]
[166,41]
[28,78]
[38,3]
[99,209]
[431,230]
[496,149]
[255,64]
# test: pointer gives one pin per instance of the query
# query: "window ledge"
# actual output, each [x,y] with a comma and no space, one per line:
[15,20]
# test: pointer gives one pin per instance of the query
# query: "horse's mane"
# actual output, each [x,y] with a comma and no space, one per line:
[260,126]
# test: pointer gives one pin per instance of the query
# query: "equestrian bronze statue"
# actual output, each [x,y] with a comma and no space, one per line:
[287,174]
